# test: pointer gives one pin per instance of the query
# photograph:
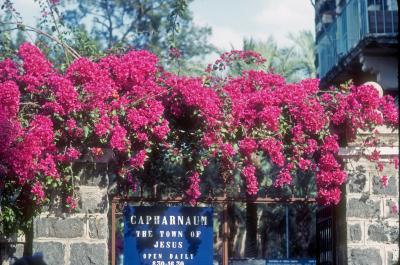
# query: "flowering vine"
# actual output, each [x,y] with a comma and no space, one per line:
[129,104]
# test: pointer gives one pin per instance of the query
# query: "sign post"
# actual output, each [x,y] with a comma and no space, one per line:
[160,235]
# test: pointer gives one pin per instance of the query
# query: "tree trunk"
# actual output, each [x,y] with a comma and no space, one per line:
[28,247]
[251,230]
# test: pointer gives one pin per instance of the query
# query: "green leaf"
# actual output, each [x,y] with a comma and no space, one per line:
[49,181]
[86,131]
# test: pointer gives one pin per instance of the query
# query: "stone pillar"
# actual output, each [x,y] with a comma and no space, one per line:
[80,238]
[371,233]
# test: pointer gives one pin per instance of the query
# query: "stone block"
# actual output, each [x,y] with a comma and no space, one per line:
[387,136]
[383,233]
[379,189]
[394,234]
[53,252]
[392,257]
[363,208]
[367,256]
[55,206]
[359,163]
[93,200]
[355,232]
[88,253]
[390,169]
[70,227]
[92,174]
[19,250]
[97,227]
[378,233]
[357,179]
[389,213]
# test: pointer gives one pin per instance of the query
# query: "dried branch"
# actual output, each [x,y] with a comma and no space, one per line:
[23,27]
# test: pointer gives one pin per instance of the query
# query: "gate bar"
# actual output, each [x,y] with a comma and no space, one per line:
[264,200]
[225,235]
[113,222]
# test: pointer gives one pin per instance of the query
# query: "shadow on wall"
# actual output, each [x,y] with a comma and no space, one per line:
[36,259]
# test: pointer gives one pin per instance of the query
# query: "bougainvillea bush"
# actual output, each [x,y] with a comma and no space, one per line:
[128,104]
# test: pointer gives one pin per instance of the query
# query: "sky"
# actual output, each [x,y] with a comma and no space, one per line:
[233,20]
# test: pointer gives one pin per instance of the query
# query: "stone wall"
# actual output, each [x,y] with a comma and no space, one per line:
[367,230]
[370,233]
[80,238]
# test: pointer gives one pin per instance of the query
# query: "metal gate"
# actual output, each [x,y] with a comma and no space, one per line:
[326,236]
[118,202]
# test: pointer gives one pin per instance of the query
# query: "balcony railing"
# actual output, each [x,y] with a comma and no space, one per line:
[358,19]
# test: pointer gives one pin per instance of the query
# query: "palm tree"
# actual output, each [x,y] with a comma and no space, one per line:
[294,62]
[304,45]
[268,49]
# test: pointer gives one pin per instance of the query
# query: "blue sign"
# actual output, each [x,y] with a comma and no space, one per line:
[157,235]
[291,262]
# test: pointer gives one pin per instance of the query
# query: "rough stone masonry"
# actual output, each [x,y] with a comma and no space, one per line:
[371,226]
[80,238]
[368,229]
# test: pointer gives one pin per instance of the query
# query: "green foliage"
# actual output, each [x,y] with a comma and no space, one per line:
[84,44]
[15,218]
[64,33]
[9,42]
[304,45]
[268,49]
[294,62]
[142,24]
[157,26]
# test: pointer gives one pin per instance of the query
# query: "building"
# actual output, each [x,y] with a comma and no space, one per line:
[357,40]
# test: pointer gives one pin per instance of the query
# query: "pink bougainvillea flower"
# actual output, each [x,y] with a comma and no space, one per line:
[284,178]
[71,201]
[247,146]
[193,192]
[97,151]
[249,174]
[138,160]
[375,155]
[129,103]
[384,181]
[394,209]
[38,192]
